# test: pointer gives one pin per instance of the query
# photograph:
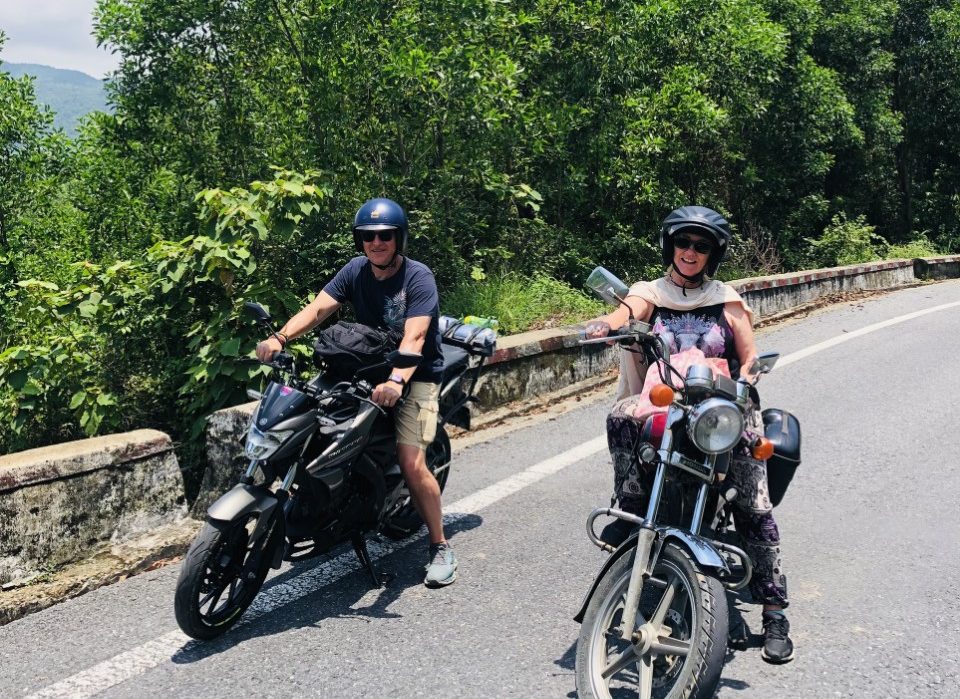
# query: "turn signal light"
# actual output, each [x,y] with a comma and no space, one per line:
[763,449]
[661,395]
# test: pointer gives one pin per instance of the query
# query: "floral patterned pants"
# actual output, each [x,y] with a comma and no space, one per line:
[752,510]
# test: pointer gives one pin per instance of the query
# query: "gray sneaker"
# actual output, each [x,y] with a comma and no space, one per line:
[442,568]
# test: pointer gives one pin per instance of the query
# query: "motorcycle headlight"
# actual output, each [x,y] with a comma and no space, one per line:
[715,426]
[262,445]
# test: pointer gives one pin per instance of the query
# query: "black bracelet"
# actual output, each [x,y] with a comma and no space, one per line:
[283,339]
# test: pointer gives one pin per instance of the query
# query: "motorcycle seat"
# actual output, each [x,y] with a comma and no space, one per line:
[454,361]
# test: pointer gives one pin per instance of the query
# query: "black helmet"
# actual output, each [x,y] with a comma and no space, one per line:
[381,215]
[696,219]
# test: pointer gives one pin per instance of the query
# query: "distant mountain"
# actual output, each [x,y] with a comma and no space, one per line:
[69,93]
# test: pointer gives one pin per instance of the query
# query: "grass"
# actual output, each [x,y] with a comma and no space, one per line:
[521,303]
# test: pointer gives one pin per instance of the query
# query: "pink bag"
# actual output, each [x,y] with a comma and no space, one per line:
[642,407]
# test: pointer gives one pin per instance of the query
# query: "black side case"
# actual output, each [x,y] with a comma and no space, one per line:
[783,429]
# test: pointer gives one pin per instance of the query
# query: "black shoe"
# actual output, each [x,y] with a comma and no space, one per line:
[777,646]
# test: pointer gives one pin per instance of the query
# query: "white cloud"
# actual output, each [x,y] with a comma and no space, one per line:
[55,33]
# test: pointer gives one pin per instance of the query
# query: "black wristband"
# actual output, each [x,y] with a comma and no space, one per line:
[283,339]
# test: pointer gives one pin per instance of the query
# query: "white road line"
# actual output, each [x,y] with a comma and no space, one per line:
[139,660]
[846,337]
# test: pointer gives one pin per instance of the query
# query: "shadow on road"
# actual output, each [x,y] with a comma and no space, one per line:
[403,568]
[741,639]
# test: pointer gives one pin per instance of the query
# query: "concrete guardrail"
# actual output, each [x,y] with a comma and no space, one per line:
[59,502]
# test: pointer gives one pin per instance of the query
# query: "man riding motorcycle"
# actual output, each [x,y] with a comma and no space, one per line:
[387,289]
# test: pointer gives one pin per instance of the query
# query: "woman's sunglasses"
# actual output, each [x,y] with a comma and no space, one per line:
[384,236]
[701,246]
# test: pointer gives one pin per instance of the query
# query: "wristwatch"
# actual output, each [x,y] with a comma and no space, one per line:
[397,378]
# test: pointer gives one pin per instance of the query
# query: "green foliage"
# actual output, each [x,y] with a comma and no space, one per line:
[116,347]
[520,303]
[921,246]
[846,242]
[528,140]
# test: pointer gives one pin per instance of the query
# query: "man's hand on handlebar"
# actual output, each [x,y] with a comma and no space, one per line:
[268,348]
[386,394]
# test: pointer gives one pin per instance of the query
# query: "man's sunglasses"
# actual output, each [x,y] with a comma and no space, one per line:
[385,236]
[702,246]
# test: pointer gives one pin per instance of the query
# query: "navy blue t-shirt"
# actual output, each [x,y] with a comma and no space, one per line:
[409,293]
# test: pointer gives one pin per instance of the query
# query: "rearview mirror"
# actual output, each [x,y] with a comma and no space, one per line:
[606,285]
[257,311]
[764,363]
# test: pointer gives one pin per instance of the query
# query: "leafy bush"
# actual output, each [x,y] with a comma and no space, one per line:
[846,242]
[155,341]
[921,246]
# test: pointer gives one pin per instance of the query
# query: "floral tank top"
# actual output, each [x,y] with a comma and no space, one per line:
[705,329]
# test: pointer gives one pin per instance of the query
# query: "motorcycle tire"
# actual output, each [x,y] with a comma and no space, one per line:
[697,615]
[222,560]
[407,520]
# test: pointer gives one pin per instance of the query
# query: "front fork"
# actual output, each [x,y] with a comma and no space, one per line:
[645,558]
[282,494]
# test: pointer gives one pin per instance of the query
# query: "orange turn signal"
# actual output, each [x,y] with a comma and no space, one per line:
[763,449]
[661,395]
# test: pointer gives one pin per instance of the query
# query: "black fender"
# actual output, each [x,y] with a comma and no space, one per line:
[243,500]
[622,550]
[705,553]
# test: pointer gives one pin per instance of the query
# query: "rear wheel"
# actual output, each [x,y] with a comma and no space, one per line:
[222,573]
[406,520]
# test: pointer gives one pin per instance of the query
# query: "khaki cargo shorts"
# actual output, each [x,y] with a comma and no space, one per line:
[416,420]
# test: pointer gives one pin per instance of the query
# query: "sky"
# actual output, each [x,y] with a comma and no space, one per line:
[54,33]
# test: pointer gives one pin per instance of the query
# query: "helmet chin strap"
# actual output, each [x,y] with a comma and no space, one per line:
[698,277]
[389,264]
[694,279]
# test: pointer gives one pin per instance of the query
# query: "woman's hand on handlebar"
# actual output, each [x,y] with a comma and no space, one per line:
[268,348]
[597,328]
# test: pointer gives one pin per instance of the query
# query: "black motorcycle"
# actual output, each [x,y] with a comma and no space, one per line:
[654,622]
[325,454]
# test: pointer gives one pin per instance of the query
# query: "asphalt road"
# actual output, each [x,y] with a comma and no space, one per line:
[870,539]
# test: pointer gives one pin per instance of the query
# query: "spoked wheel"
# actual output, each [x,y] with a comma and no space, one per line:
[679,636]
[406,520]
[221,574]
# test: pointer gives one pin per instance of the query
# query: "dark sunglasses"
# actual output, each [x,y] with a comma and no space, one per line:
[701,246]
[384,236]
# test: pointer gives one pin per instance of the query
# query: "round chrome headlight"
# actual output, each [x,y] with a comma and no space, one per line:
[715,426]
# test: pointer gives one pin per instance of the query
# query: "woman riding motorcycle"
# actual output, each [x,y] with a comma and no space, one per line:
[703,321]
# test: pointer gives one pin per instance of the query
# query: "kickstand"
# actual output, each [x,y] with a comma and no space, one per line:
[360,546]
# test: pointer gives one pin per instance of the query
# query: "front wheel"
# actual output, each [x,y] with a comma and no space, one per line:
[679,639]
[222,573]
[406,520]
